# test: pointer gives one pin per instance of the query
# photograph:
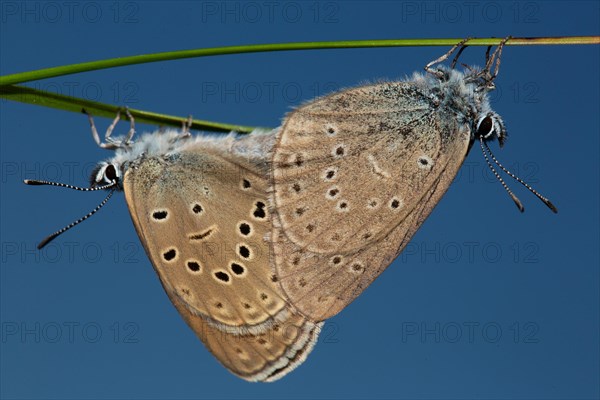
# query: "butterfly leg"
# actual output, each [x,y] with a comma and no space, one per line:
[487,55]
[111,127]
[131,127]
[108,145]
[497,55]
[455,60]
[486,73]
[444,57]
[185,128]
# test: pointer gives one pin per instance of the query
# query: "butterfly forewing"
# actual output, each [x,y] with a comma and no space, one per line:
[202,216]
[347,171]
[205,237]
[353,179]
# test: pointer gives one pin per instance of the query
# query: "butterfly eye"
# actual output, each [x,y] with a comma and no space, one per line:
[485,128]
[110,173]
[103,174]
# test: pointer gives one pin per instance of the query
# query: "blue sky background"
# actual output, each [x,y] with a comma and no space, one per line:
[484,303]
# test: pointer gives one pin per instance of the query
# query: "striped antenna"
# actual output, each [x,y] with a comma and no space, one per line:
[510,193]
[547,202]
[35,182]
[49,238]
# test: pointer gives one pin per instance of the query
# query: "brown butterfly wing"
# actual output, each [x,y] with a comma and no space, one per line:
[202,216]
[205,237]
[347,166]
[267,356]
[398,158]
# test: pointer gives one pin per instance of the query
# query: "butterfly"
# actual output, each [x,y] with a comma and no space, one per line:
[355,173]
[199,206]
[258,239]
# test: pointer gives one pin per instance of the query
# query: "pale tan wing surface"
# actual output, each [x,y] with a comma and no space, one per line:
[351,187]
[264,357]
[344,168]
[206,242]
[205,239]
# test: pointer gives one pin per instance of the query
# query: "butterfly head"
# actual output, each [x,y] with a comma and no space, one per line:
[106,173]
[157,144]
[466,94]
[489,126]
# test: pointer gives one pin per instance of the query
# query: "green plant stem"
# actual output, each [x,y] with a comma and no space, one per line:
[9,90]
[47,99]
[176,55]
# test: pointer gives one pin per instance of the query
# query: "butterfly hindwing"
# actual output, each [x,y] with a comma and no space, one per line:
[266,356]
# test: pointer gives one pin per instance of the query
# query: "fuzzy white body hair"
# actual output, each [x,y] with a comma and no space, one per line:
[164,143]
[458,91]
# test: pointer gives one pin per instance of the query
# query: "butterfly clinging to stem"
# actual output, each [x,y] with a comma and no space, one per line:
[356,173]
[258,239]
